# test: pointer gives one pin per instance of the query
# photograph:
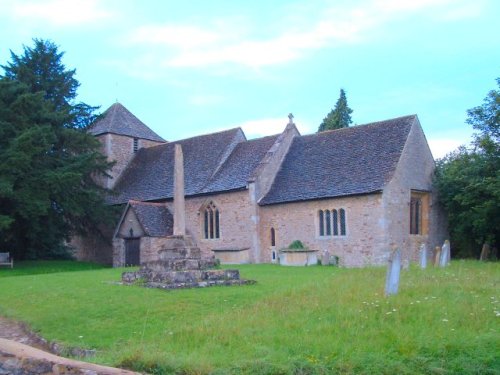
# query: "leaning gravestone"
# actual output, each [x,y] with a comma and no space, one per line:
[325,259]
[393,271]
[485,252]
[423,256]
[437,255]
[444,259]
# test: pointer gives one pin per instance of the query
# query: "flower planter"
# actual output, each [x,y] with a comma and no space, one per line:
[298,257]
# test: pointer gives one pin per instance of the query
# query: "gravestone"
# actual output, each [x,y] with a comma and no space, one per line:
[325,258]
[444,259]
[485,252]
[437,255]
[423,256]
[393,272]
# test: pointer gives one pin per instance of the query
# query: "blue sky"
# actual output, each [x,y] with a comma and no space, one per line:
[191,67]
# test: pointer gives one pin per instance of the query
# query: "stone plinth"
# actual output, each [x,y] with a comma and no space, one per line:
[180,265]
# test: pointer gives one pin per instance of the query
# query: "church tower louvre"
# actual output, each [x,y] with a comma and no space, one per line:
[121,135]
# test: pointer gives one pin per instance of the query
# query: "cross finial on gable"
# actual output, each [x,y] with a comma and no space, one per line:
[290,118]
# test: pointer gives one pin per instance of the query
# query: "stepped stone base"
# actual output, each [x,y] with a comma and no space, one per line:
[181,266]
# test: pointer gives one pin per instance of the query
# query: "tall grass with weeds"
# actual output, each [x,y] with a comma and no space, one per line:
[311,320]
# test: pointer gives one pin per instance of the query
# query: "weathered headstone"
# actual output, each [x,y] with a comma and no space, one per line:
[393,272]
[444,259]
[423,256]
[485,252]
[179,205]
[325,258]
[437,255]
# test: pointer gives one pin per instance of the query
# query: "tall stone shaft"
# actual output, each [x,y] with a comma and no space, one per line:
[179,205]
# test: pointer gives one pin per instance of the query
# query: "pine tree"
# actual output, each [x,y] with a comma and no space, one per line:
[47,159]
[339,117]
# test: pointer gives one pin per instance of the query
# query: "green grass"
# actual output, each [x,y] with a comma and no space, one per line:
[311,320]
[46,266]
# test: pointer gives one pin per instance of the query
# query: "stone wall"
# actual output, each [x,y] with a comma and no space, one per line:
[20,359]
[94,248]
[120,148]
[413,172]
[235,211]
[364,241]
[235,220]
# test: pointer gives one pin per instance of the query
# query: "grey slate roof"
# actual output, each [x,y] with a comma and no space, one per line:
[356,160]
[155,218]
[149,176]
[235,172]
[119,120]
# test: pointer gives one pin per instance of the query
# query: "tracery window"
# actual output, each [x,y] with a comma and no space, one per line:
[211,222]
[332,223]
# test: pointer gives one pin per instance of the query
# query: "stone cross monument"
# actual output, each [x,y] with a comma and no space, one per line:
[179,205]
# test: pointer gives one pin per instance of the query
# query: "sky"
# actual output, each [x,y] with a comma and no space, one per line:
[190,67]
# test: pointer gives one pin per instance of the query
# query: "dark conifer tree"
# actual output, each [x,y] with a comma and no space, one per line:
[339,117]
[47,159]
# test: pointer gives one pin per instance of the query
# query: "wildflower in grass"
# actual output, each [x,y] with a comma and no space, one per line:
[445,320]
[388,312]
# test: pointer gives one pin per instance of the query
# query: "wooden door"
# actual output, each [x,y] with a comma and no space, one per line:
[132,252]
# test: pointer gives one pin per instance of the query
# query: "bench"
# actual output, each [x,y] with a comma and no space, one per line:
[6,260]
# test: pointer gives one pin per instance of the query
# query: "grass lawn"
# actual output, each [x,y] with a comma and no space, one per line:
[311,320]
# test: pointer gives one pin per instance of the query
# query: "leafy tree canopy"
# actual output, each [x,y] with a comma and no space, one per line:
[48,161]
[339,117]
[468,182]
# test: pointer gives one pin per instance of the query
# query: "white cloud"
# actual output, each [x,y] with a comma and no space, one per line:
[58,13]
[180,36]
[215,42]
[442,146]
[270,126]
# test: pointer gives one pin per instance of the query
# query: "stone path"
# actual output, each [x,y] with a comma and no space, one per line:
[23,352]
[18,332]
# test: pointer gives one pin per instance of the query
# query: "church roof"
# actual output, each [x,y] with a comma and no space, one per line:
[119,120]
[149,176]
[236,170]
[349,161]
[155,218]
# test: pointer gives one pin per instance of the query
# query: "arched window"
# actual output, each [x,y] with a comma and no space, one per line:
[335,222]
[328,223]
[342,222]
[321,224]
[273,237]
[211,222]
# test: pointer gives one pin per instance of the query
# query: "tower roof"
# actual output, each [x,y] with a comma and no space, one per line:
[119,120]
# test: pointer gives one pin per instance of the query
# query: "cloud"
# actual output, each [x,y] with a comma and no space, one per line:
[270,126]
[219,42]
[57,13]
[442,146]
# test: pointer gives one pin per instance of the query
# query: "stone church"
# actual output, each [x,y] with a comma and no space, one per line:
[354,192]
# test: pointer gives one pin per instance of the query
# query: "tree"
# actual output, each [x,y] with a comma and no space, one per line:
[47,159]
[468,182]
[339,117]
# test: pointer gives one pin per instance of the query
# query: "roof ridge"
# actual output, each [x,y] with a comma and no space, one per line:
[207,134]
[145,203]
[352,128]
